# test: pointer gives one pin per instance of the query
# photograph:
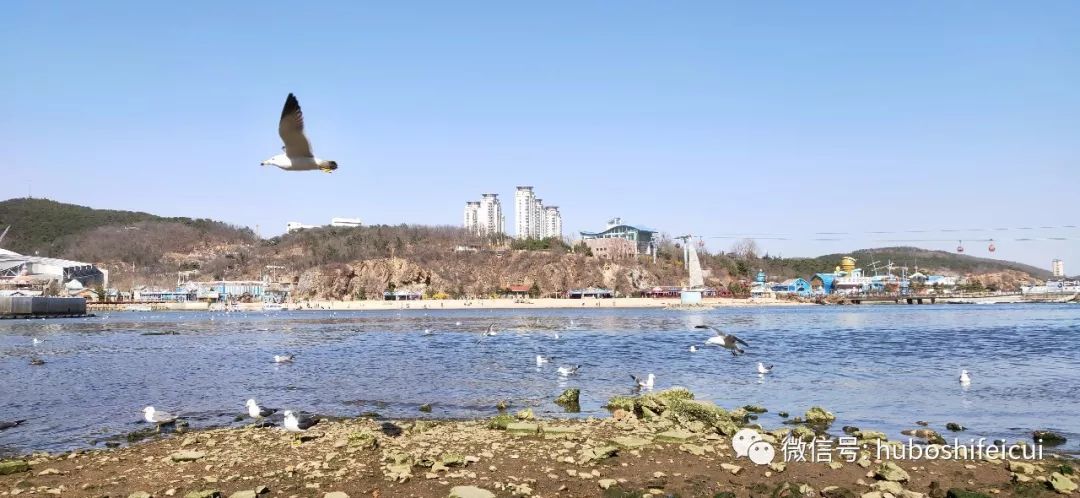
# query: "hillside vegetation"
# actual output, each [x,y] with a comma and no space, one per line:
[358,263]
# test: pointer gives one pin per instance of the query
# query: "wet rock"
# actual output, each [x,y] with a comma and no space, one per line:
[336,494]
[850,429]
[819,415]
[755,409]
[470,492]
[502,405]
[140,494]
[621,403]
[500,422]
[186,456]
[963,493]
[871,435]
[1048,438]
[13,467]
[955,427]
[803,433]
[675,436]
[1058,482]
[522,428]
[206,493]
[889,471]
[783,414]
[426,408]
[526,414]
[606,483]
[569,396]
[837,492]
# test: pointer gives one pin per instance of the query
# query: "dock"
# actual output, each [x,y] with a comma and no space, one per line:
[42,307]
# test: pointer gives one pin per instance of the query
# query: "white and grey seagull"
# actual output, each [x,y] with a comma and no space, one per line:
[298,155]
[293,423]
[542,360]
[726,341]
[567,371]
[965,379]
[158,417]
[762,369]
[256,411]
[284,358]
[646,383]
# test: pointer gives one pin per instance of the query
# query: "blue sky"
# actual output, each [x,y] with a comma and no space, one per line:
[711,118]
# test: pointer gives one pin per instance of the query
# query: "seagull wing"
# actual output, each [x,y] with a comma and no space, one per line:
[740,341]
[291,129]
[710,327]
[305,423]
[266,412]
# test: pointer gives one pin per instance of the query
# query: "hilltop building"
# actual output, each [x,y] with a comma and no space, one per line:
[293,226]
[486,216]
[1057,267]
[532,218]
[640,237]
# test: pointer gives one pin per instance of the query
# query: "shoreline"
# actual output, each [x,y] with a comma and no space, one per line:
[658,444]
[457,304]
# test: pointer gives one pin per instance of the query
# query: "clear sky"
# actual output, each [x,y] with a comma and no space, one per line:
[712,118]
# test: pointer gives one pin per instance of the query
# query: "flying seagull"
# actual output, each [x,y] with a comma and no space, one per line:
[155,417]
[567,371]
[727,341]
[5,425]
[284,358]
[256,411]
[644,383]
[298,424]
[298,155]
[762,369]
[965,379]
[491,330]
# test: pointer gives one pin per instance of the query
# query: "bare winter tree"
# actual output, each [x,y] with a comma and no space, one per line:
[745,249]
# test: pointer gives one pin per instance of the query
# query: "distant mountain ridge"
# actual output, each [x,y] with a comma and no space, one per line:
[928,261]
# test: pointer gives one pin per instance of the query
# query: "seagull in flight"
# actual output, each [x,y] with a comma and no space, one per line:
[284,358]
[567,371]
[491,331]
[762,369]
[294,423]
[298,155]
[256,411]
[156,417]
[726,341]
[965,379]
[644,383]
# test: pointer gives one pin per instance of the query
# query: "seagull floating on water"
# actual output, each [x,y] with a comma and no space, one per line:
[294,423]
[726,341]
[256,411]
[762,369]
[566,370]
[284,358]
[965,379]
[428,332]
[37,341]
[298,155]
[155,417]
[37,362]
[693,348]
[5,425]
[646,383]
[541,360]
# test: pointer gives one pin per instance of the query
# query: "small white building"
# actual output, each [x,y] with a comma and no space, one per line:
[346,222]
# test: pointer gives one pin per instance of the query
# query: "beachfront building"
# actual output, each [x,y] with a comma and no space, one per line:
[796,286]
[19,271]
[590,292]
[642,238]
[845,279]
[1057,267]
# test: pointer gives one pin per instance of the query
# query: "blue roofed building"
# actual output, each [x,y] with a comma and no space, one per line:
[641,237]
[796,286]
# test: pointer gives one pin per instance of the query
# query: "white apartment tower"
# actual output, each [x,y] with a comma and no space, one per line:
[472,216]
[524,212]
[552,222]
[1058,268]
[490,215]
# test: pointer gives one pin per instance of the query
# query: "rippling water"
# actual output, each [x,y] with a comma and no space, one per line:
[880,367]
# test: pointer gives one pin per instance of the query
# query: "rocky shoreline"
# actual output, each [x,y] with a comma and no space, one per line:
[662,444]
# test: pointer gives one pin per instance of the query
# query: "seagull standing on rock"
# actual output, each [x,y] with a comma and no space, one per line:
[256,411]
[298,424]
[726,341]
[157,417]
[298,155]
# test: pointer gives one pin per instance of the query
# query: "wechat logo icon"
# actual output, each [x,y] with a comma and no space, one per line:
[749,443]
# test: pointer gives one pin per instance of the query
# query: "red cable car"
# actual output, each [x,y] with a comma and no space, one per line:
[991,248]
